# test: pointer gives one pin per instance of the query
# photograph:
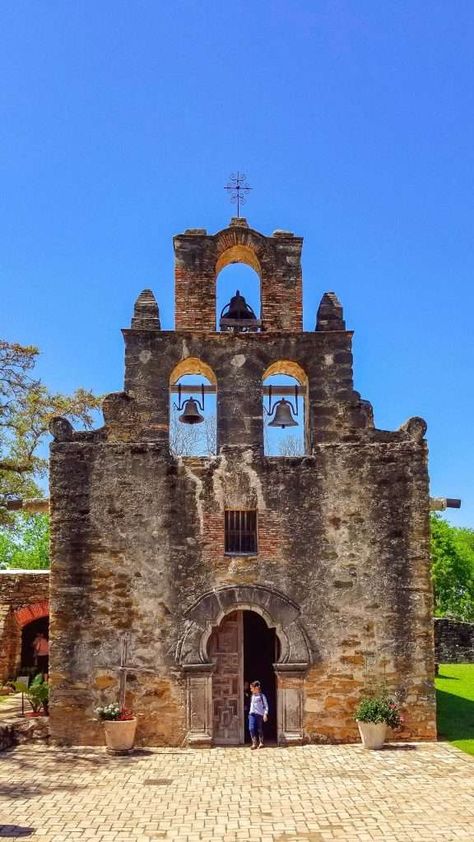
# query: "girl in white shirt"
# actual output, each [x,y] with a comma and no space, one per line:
[258,714]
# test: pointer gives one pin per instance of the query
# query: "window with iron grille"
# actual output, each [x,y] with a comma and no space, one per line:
[241,532]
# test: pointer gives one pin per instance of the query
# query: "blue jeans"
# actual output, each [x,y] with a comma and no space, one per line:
[256,726]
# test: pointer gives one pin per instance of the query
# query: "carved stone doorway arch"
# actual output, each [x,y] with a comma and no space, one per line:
[280,613]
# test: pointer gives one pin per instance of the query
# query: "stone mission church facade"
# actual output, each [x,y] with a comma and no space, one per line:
[332,590]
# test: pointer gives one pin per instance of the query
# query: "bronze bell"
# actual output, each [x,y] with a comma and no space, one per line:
[237,315]
[191,414]
[238,309]
[283,417]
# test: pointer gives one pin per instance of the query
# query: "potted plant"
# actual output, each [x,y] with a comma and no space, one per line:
[373,715]
[119,728]
[37,694]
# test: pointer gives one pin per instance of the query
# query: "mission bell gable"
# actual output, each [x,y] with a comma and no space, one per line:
[309,572]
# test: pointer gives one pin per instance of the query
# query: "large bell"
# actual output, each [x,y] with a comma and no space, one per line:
[191,414]
[283,415]
[238,309]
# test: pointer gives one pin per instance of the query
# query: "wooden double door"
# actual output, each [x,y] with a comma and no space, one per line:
[243,649]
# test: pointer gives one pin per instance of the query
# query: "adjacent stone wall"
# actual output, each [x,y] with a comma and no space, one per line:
[21,591]
[454,641]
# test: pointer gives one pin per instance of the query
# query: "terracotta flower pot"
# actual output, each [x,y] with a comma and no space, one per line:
[119,735]
[372,734]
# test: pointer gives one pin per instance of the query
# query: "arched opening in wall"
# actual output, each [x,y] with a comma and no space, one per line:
[193,409]
[244,649]
[285,410]
[238,293]
[31,661]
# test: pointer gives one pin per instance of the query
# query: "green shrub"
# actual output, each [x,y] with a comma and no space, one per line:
[37,693]
[379,709]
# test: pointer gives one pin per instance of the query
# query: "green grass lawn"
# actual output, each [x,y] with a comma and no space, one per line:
[455,701]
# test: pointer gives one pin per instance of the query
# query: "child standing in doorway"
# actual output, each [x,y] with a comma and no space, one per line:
[258,714]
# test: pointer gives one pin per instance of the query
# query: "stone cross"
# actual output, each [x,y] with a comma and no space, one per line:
[124,668]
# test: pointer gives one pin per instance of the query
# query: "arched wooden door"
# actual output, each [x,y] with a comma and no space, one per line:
[243,649]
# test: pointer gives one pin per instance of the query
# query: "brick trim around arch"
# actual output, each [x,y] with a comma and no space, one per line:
[27,613]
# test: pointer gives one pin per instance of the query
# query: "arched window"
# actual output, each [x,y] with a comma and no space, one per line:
[285,410]
[193,406]
[238,291]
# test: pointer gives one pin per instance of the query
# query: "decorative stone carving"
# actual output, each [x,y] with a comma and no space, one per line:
[146,315]
[277,610]
[330,316]
[199,704]
[290,695]
[415,428]
[61,429]
[120,415]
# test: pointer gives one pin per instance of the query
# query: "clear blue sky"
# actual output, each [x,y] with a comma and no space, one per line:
[121,121]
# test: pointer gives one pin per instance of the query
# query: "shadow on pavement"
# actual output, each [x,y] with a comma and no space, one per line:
[16,791]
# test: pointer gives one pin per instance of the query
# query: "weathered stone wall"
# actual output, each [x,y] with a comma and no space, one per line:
[138,536]
[19,589]
[354,562]
[454,641]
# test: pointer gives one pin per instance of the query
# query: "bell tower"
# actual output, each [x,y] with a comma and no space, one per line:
[303,569]
[199,257]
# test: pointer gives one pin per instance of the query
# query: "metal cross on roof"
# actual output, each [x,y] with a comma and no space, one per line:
[238,189]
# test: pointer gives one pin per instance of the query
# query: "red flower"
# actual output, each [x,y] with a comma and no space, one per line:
[125,715]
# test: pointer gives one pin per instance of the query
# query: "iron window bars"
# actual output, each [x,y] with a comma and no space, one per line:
[240,531]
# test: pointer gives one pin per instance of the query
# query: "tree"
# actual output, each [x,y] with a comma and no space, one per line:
[452,553]
[26,408]
[24,544]
[192,439]
[184,438]
[290,445]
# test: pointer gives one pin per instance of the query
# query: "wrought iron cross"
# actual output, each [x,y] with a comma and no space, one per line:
[238,189]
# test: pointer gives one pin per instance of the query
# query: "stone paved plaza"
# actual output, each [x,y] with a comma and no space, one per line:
[403,793]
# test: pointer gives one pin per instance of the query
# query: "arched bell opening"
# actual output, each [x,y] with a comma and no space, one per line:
[243,648]
[193,409]
[285,410]
[238,297]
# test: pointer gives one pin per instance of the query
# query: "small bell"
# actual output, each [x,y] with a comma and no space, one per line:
[238,314]
[283,416]
[191,414]
[239,309]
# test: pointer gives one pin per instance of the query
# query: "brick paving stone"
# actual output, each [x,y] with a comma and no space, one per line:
[420,793]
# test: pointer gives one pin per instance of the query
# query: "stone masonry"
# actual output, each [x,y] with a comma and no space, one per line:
[454,641]
[23,598]
[342,571]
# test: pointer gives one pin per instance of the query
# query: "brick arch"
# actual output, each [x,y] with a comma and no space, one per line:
[278,611]
[192,365]
[199,257]
[238,254]
[288,367]
[34,611]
